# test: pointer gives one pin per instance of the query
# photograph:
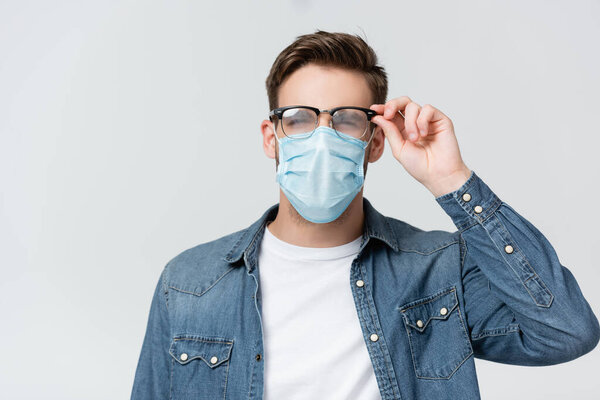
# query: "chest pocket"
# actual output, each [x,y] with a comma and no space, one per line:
[438,339]
[200,366]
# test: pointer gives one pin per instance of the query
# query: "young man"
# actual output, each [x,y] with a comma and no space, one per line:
[325,298]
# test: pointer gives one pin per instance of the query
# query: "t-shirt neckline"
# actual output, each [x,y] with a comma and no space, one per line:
[292,251]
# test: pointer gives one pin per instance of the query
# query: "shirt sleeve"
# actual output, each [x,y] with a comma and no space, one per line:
[522,305]
[152,376]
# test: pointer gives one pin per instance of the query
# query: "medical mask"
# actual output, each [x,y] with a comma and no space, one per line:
[321,173]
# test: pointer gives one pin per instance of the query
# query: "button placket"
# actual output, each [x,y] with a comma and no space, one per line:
[377,348]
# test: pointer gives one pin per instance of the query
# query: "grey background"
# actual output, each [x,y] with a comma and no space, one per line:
[129,132]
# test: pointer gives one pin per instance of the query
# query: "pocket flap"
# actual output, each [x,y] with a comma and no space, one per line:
[439,305]
[212,350]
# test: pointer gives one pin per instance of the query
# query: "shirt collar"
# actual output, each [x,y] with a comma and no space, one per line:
[376,226]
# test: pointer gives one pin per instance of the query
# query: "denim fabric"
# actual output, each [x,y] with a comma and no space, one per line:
[430,303]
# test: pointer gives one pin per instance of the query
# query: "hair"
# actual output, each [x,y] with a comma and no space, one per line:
[336,49]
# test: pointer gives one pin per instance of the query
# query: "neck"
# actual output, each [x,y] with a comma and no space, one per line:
[290,227]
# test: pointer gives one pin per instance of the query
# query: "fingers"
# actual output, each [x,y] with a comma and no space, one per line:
[391,132]
[394,105]
[415,119]
[424,118]
[397,118]
[412,112]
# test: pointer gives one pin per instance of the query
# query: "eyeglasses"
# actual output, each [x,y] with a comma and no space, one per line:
[348,120]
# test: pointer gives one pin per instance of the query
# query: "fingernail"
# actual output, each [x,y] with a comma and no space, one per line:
[413,136]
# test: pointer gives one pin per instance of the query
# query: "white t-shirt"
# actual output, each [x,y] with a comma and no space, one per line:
[313,342]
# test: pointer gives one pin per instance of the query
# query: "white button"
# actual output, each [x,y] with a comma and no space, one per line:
[466,197]
[444,311]
[508,248]
[374,337]
[213,360]
[478,209]
[420,323]
[360,283]
[183,356]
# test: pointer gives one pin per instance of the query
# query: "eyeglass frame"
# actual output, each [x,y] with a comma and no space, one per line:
[278,112]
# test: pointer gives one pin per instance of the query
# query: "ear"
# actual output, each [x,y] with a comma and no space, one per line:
[269,141]
[377,145]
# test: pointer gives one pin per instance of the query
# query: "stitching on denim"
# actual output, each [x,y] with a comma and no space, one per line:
[171,383]
[501,331]
[452,373]
[202,340]
[171,379]
[507,263]
[492,209]
[251,380]
[539,281]
[427,299]
[465,331]
[410,346]
[199,357]
[453,370]
[415,365]
[429,318]
[463,227]
[465,186]
[258,232]
[432,251]
[236,245]
[522,259]
[526,261]
[478,219]
[462,251]
[482,217]
[395,246]
[226,377]
[373,314]
[494,242]
[197,338]
[207,289]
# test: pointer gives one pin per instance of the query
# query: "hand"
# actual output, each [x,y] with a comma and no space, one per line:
[423,141]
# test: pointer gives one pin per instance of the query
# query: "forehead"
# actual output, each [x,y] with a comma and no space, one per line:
[325,87]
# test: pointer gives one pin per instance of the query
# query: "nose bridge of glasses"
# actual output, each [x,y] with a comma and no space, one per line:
[325,118]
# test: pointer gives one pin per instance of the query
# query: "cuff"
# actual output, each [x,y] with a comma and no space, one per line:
[470,204]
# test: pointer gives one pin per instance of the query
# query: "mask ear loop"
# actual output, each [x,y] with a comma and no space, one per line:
[373,133]
[275,132]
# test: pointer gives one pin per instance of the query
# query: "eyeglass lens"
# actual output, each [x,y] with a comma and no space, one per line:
[348,121]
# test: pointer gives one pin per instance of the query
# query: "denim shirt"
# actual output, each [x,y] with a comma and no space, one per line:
[428,302]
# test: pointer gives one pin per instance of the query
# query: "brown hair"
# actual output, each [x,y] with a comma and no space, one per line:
[332,49]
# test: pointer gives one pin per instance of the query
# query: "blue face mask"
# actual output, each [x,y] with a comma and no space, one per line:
[321,174]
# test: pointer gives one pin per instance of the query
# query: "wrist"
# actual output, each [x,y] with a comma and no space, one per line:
[450,183]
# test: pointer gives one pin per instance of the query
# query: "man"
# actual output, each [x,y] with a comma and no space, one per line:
[325,298]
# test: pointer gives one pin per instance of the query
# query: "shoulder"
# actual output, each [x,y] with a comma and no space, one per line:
[414,239]
[191,269]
